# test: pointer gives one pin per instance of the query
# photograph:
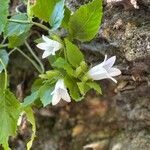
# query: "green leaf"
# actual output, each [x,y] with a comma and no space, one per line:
[81,70]
[62,63]
[43,9]
[9,114]
[4,57]
[31,119]
[95,86]
[83,87]
[4,11]
[74,55]
[36,85]
[85,22]
[45,94]
[50,74]
[31,99]
[73,88]
[57,15]
[15,41]
[15,28]
[52,59]
[66,18]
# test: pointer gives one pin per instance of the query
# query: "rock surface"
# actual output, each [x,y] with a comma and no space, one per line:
[120,119]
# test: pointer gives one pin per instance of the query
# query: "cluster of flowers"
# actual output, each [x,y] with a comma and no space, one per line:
[101,71]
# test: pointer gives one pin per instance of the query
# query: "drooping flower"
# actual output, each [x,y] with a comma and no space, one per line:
[60,92]
[49,46]
[105,70]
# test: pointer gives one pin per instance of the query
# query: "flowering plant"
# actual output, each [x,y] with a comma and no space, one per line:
[68,77]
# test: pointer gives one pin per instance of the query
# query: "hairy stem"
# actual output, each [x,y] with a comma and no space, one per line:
[34,55]
[30,22]
[41,26]
[33,62]
[20,21]
[12,51]
[3,45]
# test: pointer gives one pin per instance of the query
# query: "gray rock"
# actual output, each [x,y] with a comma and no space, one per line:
[131,140]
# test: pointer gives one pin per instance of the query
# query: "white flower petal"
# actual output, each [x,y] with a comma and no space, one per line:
[105,70]
[95,68]
[102,64]
[50,46]
[105,59]
[65,96]
[43,46]
[114,72]
[57,45]
[99,74]
[60,92]
[110,62]
[112,79]
[60,84]
[56,98]
[47,40]
[99,66]
[46,54]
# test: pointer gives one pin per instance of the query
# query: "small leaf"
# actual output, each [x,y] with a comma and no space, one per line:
[74,55]
[73,88]
[50,74]
[31,99]
[9,114]
[15,41]
[4,11]
[4,57]
[83,87]
[95,86]
[45,94]
[36,85]
[85,22]
[62,63]
[57,15]
[15,28]
[43,9]
[66,18]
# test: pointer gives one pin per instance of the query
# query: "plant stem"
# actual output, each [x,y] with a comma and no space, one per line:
[3,45]
[4,40]
[27,57]
[5,85]
[30,22]
[34,55]
[20,21]
[41,26]
[12,51]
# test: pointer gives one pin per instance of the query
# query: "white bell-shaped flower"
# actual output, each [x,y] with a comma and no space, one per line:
[105,70]
[60,92]
[49,46]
